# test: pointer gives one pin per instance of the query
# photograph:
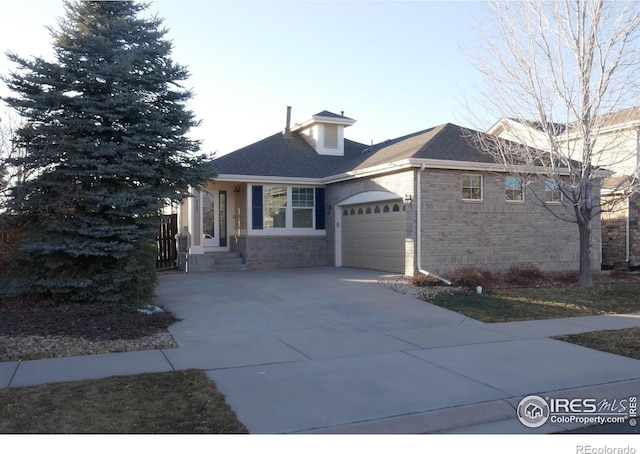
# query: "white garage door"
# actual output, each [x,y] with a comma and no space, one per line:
[373,236]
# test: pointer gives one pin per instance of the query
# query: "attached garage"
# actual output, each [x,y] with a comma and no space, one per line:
[373,236]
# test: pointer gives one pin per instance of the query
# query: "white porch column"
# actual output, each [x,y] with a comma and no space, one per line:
[195,245]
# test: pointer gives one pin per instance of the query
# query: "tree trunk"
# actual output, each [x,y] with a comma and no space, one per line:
[585,278]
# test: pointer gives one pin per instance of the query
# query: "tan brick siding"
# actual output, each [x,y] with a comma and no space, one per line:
[263,253]
[493,233]
[401,183]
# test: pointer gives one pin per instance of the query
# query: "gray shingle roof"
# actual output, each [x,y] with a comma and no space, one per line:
[278,155]
[326,113]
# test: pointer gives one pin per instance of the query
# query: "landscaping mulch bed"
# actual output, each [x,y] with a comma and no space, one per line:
[91,321]
[29,330]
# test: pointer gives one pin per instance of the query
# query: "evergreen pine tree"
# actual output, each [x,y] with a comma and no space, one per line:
[106,146]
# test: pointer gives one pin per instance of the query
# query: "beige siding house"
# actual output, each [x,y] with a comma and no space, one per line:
[428,201]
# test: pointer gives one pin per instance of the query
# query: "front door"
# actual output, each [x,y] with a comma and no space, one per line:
[214,218]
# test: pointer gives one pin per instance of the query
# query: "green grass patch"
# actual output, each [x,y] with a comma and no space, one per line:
[612,297]
[171,402]
[624,342]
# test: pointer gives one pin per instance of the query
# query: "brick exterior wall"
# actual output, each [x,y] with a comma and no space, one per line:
[401,183]
[263,253]
[493,234]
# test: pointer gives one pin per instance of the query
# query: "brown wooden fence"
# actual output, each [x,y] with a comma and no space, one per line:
[167,250]
[7,240]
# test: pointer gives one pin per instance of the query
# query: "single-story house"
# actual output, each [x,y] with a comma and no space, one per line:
[428,201]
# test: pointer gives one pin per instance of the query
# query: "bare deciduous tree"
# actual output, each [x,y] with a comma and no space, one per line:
[10,175]
[8,125]
[563,77]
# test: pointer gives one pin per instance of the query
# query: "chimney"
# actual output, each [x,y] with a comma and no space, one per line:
[287,129]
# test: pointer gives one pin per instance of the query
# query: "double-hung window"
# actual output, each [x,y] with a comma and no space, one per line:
[471,187]
[302,203]
[551,192]
[514,189]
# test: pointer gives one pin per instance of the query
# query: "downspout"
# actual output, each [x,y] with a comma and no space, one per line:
[419,229]
[628,251]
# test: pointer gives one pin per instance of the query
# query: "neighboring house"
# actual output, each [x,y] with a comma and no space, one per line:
[618,150]
[425,201]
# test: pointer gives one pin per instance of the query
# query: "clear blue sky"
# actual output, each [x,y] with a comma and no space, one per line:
[395,67]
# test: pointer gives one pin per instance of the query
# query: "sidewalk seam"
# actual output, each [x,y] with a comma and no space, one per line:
[13,376]
[167,359]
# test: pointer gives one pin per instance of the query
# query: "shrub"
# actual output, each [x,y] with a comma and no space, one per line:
[472,277]
[622,274]
[422,280]
[524,275]
[563,277]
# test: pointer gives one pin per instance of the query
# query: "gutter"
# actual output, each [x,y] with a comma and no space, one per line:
[419,229]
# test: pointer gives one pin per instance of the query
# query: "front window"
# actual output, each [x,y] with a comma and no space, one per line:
[514,190]
[275,207]
[302,202]
[471,187]
[285,207]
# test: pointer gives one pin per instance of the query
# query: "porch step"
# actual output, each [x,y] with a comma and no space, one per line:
[216,262]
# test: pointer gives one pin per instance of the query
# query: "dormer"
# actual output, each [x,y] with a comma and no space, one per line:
[325,132]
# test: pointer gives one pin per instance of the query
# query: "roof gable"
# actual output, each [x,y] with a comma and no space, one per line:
[447,142]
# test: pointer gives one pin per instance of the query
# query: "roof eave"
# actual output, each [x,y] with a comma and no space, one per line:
[395,166]
[480,166]
[268,179]
[346,122]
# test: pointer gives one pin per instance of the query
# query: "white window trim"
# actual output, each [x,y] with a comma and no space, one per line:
[289,230]
[552,202]
[522,186]
[481,199]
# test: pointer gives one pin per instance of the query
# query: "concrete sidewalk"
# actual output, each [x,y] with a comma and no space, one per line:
[330,351]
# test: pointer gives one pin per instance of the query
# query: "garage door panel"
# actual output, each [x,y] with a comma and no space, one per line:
[374,240]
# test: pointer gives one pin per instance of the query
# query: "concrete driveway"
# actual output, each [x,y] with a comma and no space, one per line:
[329,350]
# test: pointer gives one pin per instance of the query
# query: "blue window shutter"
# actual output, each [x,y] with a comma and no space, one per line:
[319,208]
[256,207]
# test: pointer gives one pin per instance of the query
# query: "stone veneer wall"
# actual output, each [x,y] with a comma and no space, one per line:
[634,231]
[492,233]
[614,234]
